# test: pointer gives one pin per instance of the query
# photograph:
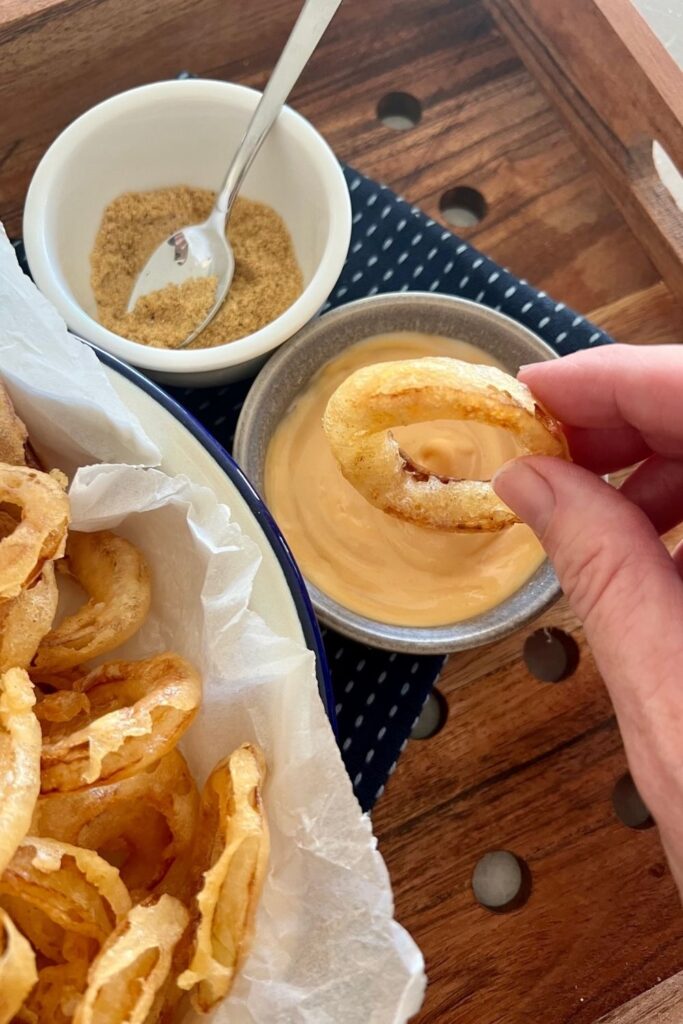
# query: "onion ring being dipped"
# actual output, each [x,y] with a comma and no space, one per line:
[18,972]
[232,851]
[66,900]
[137,712]
[40,534]
[127,978]
[116,579]
[361,412]
[20,741]
[25,619]
[144,824]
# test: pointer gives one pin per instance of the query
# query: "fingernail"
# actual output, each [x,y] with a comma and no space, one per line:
[527,366]
[527,493]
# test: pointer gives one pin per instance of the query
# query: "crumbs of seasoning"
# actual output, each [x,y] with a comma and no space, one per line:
[267,276]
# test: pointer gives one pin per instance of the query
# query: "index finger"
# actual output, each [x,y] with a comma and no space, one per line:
[617,387]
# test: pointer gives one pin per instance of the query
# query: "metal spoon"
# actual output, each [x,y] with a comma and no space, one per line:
[203,250]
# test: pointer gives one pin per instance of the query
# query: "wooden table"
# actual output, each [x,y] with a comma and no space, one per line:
[520,765]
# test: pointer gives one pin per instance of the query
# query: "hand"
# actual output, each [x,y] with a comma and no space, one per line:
[620,405]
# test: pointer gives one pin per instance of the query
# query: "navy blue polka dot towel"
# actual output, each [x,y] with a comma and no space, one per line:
[394,247]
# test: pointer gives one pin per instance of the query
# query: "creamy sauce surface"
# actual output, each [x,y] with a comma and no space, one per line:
[375,565]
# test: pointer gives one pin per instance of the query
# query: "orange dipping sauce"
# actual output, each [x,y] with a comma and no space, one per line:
[369,562]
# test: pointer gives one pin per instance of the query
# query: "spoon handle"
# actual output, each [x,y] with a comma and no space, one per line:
[314,18]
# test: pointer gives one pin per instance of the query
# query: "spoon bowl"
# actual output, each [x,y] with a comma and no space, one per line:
[198,251]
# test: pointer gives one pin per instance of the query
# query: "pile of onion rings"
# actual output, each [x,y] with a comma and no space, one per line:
[116,878]
[362,411]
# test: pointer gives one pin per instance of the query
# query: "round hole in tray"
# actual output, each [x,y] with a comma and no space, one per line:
[550,654]
[399,110]
[432,718]
[501,881]
[629,806]
[463,206]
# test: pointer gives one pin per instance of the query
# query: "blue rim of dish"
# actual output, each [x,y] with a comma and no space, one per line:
[291,572]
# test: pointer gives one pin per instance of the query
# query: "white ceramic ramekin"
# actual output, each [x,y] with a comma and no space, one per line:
[182,133]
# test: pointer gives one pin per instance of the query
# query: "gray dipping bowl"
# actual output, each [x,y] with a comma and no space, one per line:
[288,372]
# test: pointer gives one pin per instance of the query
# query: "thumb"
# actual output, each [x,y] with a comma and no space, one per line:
[621,582]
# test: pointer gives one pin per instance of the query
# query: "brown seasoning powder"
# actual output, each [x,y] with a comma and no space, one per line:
[267,277]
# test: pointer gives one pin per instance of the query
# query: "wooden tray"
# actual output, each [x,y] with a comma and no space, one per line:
[520,764]
[620,92]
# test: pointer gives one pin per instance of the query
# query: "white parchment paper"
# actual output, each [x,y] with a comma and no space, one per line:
[326,948]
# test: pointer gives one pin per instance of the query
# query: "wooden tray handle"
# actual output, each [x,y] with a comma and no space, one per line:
[619,90]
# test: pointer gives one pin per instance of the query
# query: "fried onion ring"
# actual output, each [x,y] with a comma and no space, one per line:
[25,619]
[361,412]
[232,851]
[17,968]
[138,710]
[8,522]
[144,824]
[116,579]
[40,534]
[66,900]
[50,941]
[53,709]
[126,979]
[56,996]
[19,761]
[13,433]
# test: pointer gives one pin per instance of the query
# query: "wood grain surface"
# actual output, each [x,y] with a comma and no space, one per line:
[485,122]
[519,765]
[619,90]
